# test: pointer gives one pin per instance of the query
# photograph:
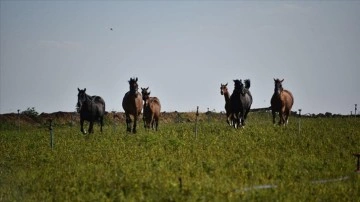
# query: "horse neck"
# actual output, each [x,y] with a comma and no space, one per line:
[146,101]
[227,96]
[88,98]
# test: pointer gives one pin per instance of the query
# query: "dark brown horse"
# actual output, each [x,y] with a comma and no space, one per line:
[224,91]
[152,108]
[132,104]
[91,108]
[282,102]
[241,101]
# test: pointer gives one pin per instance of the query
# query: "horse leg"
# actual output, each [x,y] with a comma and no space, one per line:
[244,117]
[236,120]
[274,116]
[156,123]
[101,123]
[281,117]
[128,122]
[228,118]
[82,126]
[153,122]
[287,113]
[134,126]
[91,125]
[144,120]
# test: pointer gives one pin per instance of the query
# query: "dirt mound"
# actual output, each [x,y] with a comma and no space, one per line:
[70,118]
[16,119]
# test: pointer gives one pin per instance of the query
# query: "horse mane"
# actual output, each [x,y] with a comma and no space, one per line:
[247,83]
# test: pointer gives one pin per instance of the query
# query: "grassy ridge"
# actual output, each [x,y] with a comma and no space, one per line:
[173,165]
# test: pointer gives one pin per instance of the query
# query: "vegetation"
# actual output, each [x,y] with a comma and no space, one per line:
[30,112]
[260,162]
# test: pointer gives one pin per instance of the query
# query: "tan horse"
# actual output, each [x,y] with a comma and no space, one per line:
[224,91]
[132,104]
[152,108]
[282,102]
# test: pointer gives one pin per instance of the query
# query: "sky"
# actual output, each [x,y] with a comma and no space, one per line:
[181,50]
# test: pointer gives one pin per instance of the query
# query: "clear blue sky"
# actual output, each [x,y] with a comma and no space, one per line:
[181,50]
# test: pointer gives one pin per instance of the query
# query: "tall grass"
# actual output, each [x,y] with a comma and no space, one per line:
[260,162]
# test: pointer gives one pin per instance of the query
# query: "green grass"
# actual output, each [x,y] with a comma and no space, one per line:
[219,164]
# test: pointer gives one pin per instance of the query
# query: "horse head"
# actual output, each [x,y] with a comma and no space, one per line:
[238,86]
[223,89]
[278,86]
[145,93]
[81,98]
[133,86]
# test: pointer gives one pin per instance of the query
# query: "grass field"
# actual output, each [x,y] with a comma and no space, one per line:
[261,162]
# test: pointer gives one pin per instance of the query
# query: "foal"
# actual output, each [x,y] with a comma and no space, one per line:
[152,108]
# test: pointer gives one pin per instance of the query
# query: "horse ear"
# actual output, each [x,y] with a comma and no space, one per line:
[282,80]
[147,88]
[226,84]
[274,79]
[84,89]
[136,79]
[78,89]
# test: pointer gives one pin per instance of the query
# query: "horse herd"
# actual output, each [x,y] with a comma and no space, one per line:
[92,108]
[237,105]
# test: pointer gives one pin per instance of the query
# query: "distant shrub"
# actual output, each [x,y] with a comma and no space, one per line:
[30,112]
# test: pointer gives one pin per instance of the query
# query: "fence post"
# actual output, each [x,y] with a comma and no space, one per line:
[299,120]
[51,134]
[358,162]
[196,121]
[114,116]
[355,109]
[18,120]
[208,114]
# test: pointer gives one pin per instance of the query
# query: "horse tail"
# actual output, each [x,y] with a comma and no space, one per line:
[247,83]
[104,107]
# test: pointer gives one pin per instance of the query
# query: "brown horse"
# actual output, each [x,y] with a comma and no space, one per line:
[281,101]
[152,108]
[132,104]
[224,91]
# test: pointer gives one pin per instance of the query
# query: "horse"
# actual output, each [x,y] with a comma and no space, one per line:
[132,104]
[281,101]
[241,100]
[152,108]
[224,91]
[91,109]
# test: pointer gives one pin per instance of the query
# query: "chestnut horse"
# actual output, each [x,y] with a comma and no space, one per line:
[241,100]
[132,104]
[152,108]
[224,91]
[281,101]
[91,108]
